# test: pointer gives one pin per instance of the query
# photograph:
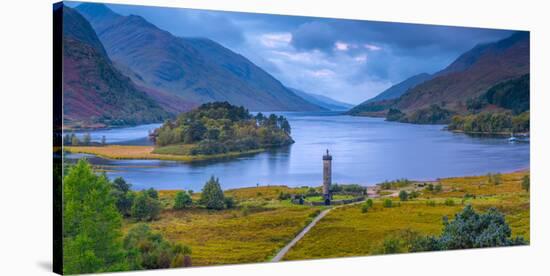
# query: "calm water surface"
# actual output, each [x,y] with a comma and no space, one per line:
[365,151]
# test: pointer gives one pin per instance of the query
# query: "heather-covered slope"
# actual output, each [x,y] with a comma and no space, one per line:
[94,92]
[401,88]
[199,70]
[471,74]
[452,90]
[394,92]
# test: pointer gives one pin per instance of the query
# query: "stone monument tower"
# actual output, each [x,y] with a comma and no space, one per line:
[327,177]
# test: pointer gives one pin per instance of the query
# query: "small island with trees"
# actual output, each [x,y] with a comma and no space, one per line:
[218,128]
[211,131]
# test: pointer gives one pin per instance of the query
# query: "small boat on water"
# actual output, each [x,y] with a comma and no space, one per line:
[514,139]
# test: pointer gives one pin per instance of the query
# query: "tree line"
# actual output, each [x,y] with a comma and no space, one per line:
[491,122]
[70,139]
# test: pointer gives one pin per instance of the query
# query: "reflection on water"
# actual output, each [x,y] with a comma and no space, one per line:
[365,151]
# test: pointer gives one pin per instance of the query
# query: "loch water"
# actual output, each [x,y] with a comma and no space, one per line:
[365,151]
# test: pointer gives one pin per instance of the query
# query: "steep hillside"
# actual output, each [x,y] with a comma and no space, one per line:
[379,102]
[399,89]
[94,91]
[458,89]
[322,101]
[199,70]
[471,74]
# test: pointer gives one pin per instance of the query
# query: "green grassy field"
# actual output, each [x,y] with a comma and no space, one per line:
[261,224]
[253,232]
[348,231]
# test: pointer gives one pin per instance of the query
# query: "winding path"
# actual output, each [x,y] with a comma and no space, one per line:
[298,237]
[285,249]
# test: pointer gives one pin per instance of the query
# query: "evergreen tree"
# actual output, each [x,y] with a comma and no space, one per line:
[91,223]
[123,196]
[74,140]
[87,139]
[212,195]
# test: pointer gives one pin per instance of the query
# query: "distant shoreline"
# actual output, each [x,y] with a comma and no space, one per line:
[120,152]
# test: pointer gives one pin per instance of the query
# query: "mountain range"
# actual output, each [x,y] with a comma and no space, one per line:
[95,92]
[198,70]
[375,106]
[468,77]
[322,101]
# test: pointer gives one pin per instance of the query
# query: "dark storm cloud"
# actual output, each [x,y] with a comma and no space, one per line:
[314,35]
[349,60]
[189,23]
[407,39]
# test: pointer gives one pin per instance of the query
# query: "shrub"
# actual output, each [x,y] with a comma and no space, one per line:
[353,188]
[438,188]
[526,183]
[145,207]
[403,195]
[245,211]
[414,194]
[430,203]
[182,200]
[470,230]
[314,214]
[335,188]
[449,202]
[369,202]
[149,250]
[388,203]
[430,187]
[212,195]
[153,193]
[365,208]
[495,179]
[395,184]
[229,202]
[392,246]
[312,192]
[284,196]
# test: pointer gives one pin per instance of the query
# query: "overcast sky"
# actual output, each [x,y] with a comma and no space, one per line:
[348,60]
